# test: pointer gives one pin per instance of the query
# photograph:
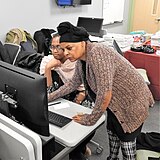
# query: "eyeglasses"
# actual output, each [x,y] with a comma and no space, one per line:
[58,48]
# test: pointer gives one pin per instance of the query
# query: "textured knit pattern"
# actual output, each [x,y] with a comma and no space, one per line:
[107,70]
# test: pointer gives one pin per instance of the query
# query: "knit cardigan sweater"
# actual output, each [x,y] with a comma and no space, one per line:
[106,70]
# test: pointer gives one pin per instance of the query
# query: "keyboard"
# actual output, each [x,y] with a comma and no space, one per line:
[57,119]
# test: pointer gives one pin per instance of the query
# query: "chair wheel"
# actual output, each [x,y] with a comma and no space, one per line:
[99,149]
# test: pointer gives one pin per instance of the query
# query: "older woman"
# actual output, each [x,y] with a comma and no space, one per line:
[113,83]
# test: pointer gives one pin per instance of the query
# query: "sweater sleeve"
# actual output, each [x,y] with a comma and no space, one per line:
[44,62]
[69,86]
[102,63]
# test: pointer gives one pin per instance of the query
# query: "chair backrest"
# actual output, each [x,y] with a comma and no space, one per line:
[3,53]
[12,50]
[43,38]
[116,47]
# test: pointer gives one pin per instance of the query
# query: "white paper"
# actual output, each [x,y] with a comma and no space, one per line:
[60,105]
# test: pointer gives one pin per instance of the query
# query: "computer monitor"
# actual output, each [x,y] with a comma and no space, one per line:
[92,25]
[82,2]
[28,89]
[85,2]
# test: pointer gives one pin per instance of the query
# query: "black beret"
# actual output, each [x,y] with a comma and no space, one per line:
[70,33]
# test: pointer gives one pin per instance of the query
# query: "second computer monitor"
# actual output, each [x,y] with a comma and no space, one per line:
[92,25]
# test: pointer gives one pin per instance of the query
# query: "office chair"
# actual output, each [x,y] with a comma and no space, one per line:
[117,48]
[99,148]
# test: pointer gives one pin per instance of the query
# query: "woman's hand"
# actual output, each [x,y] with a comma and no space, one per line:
[50,97]
[78,118]
[82,118]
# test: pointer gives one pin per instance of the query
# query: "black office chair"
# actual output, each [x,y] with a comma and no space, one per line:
[117,48]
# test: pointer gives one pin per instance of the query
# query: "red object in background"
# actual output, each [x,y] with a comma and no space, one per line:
[151,63]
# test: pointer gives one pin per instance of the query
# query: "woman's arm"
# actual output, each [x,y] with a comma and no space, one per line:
[102,63]
[49,66]
[69,86]
[80,97]
[91,119]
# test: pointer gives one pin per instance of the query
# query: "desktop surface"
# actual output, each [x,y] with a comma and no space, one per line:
[73,133]
[66,138]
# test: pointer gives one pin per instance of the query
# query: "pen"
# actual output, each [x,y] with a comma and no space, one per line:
[54,103]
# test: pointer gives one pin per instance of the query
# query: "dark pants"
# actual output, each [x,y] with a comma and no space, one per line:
[114,126]
[118,138]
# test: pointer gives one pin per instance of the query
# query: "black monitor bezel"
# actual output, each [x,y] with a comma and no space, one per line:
[35,95]
[90,20]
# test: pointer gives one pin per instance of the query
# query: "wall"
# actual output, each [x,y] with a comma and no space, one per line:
[124,26]
[32,15]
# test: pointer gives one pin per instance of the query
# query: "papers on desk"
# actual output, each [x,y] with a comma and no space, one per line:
[58,105]
[122,40]
[96,39]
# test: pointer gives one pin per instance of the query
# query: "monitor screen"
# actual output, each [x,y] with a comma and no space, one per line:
[28,89]
[64,2]
[92,25]
[82,2]
[85,2]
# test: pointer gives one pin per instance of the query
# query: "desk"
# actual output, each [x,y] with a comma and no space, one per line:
[67,137]
[151,63]
[73,133]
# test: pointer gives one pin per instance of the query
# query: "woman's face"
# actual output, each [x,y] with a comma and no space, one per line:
[57,51]
[74,51]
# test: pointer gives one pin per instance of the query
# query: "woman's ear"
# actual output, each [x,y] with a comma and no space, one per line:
[83,44]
